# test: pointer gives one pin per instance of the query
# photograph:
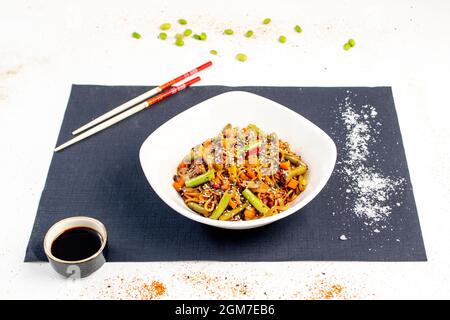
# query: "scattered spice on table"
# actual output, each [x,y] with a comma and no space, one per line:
[134,288]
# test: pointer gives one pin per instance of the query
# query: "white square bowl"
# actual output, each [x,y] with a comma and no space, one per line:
[163,150]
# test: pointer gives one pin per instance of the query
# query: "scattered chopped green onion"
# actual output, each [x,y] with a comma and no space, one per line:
[187,32]
[165,26]
[136,35]
[266,21]
[203,36]
[196,37]
[298,29]
[182,21]
[162,36]
[179,36]
[351,42]
[347,46]
[249,33]
[228,32]
[214,52]
[241,57]
[179,42]
[282,39]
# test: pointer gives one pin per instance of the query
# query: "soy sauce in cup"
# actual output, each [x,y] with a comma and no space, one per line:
[75,246]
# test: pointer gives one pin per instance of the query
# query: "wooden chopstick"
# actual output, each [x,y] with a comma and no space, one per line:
[140,98]
[127,113]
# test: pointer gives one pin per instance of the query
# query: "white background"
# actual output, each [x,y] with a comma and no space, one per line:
[45,46]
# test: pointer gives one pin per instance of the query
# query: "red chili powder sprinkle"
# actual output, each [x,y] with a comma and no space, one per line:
[134,288]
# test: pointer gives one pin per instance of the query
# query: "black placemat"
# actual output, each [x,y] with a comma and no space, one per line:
[102,177]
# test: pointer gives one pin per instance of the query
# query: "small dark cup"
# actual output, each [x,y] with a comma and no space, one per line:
[80,268]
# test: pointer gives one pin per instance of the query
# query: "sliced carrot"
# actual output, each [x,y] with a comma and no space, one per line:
[249,214]
[292,184]
[251,174]
[225,185]
[285,165]
[243,176]
[232,204]
[178,184]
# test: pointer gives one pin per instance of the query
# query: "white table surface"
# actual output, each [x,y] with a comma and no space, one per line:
[46,46]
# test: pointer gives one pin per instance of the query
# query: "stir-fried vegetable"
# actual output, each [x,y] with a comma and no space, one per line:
[227,215]
[198,208]
[198,180]
[221,206]
[255,201]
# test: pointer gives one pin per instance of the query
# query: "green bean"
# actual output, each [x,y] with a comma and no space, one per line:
[351,42]
[228,32]
[203,36]
[187,32]
[282,39]
[163,36]
[136,35]
[266,21]
[197,37]
[165,26]
[347,46]
[227,215]
[214,52]
[255,201]
[223,203]
[298,29]
[179,36]
[182,21]
[292,159]
[296,172]
[201,179]
[198,208]
[248,34]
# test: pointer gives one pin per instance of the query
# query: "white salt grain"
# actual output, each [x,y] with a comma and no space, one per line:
[343,237]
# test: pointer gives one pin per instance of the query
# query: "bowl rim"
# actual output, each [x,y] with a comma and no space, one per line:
[186,212]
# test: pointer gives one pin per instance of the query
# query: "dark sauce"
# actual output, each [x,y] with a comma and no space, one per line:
[76,244]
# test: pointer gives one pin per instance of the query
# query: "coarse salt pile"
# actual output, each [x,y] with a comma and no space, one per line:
[371,187]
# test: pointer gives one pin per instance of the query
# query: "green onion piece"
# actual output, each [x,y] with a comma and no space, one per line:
[136,35]
[228,32]
[223,204]
[196,37]
[165,26]
[187,32]
[179,42]
[203,36]
[351,42]
[266,21]
[298,29]
[182,21]
[197,208]
[248,34]
[347,46]
[162,36]
[282,39]
[214,52]
[201,179]
[241,57]
[255,201]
